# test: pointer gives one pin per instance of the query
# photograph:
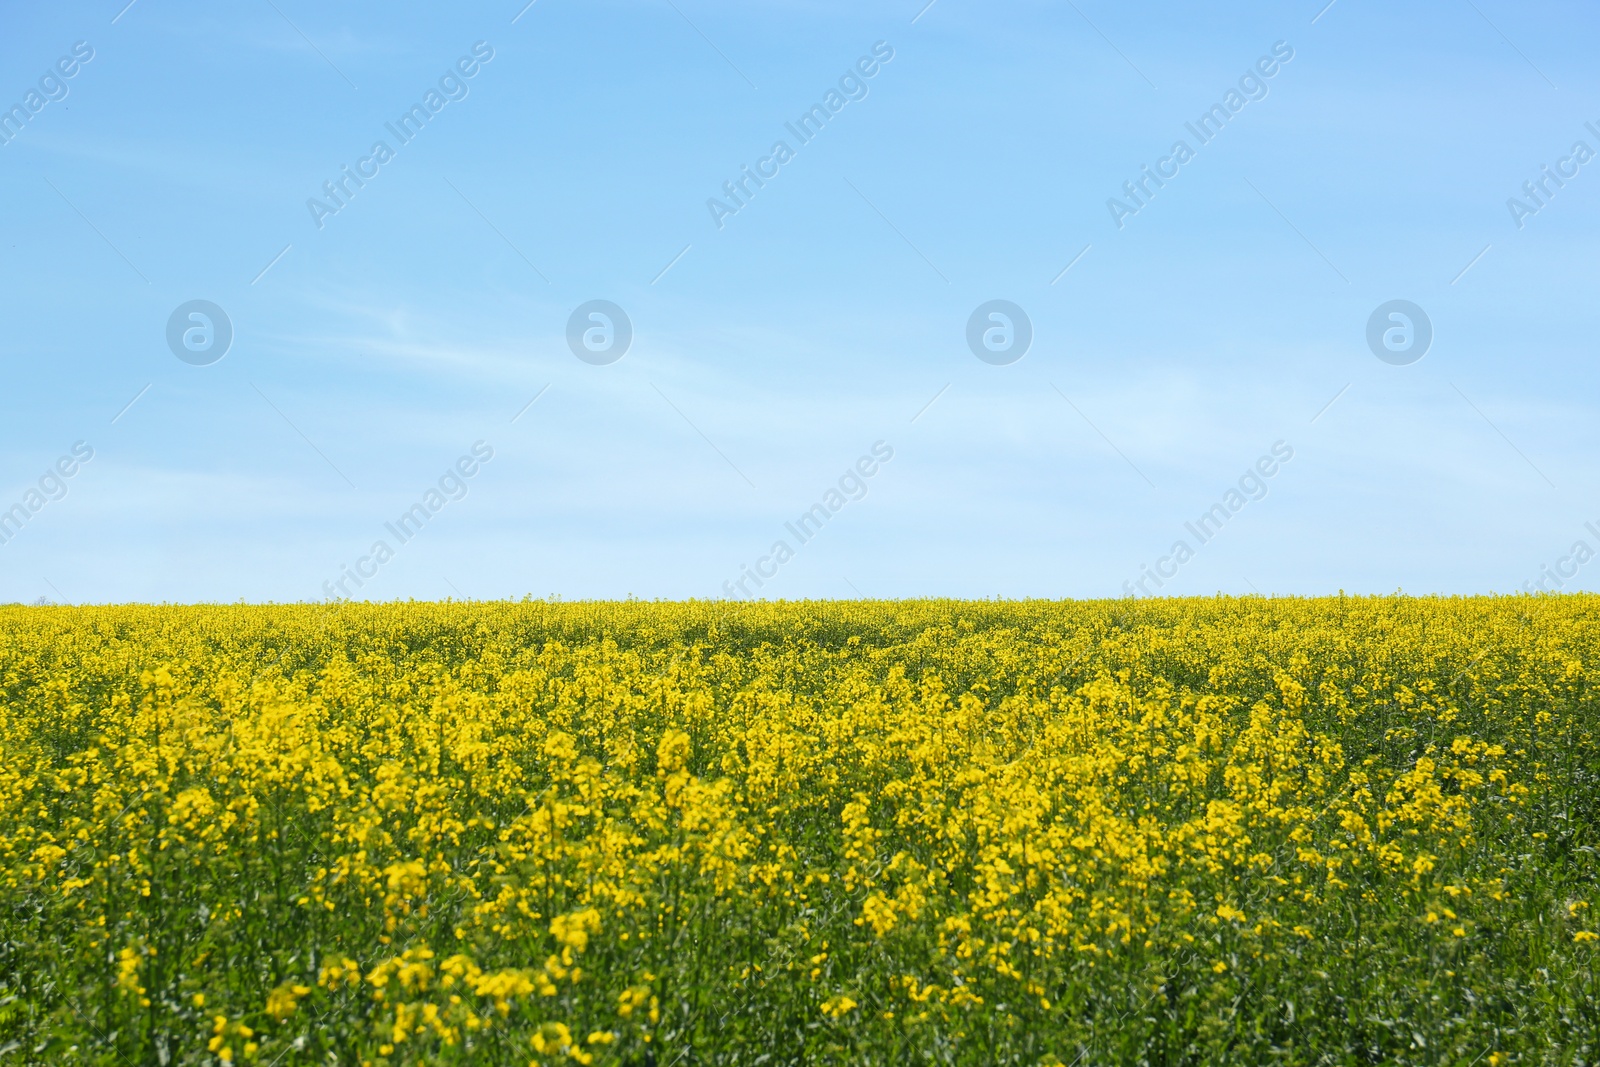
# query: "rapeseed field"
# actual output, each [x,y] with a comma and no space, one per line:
[1207,831]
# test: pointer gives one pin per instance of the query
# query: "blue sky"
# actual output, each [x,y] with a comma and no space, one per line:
[372,352]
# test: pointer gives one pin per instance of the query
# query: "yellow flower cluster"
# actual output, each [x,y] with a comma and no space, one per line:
[1198,830]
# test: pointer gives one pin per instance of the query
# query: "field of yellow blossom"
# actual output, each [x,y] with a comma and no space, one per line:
[1207,831]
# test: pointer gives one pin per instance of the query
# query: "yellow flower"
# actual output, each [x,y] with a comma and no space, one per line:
[980,813]
[281,1001]
[837,1007]
[575,929]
